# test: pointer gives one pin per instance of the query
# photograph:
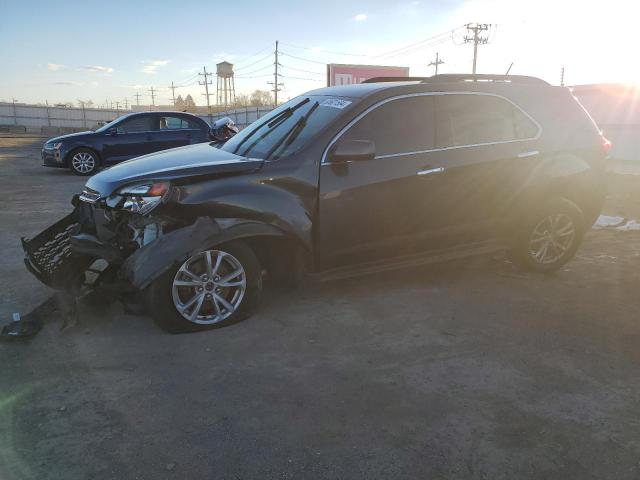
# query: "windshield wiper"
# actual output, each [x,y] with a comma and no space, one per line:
[289,137]
[270,123]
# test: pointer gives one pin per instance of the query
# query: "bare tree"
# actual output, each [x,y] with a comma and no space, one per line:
[189,104]
[242,100]
[261,98]
[180,103]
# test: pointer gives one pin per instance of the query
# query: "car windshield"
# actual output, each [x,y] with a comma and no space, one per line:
[110,124]
[286,129]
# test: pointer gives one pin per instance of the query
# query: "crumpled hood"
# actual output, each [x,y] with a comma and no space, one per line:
[70,135]
[189,161]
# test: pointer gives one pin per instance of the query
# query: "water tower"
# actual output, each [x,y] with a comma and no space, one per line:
[226,91]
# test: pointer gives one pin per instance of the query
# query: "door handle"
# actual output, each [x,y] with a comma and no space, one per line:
[530,153]
[429,171]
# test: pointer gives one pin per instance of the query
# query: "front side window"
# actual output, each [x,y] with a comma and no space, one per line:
[479,119]
[400,126]
[137,124]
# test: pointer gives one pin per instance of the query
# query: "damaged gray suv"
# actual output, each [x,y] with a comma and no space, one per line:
[340,181]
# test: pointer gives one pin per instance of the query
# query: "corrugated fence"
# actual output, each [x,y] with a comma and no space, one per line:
[52,120]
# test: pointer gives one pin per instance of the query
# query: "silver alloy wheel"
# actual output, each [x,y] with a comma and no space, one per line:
[552,238]
[209,287]
[83,162]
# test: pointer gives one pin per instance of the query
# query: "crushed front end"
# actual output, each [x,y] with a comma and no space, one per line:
[87,248]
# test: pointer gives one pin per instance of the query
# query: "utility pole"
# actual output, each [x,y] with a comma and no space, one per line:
[126,103]
[562,77]
[15,112]
[173,93]
[509,69]
[137,95]
[436,62]
[275,83]
[206,82]
[476,39]
[117,106]
[153,96]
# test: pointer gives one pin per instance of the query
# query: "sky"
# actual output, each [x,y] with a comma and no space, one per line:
[111,50]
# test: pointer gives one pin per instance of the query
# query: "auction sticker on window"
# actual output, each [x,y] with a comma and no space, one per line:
[335,103]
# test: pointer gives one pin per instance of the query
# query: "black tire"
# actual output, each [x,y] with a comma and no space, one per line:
[161,293]
[568,216]
[83,161]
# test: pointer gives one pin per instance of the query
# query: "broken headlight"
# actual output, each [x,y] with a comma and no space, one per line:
[141,198]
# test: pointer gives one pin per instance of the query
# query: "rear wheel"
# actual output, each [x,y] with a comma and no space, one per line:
[550,238]
[83,162]
[213,288]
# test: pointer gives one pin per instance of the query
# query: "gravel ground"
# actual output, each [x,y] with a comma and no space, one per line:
[464,370]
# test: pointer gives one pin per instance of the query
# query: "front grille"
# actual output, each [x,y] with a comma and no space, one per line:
[49,257]
[89,195]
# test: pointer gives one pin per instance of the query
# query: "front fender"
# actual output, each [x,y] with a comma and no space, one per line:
[149,262]
[282,202]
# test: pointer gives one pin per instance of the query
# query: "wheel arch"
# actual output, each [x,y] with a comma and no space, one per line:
[148,263]
[567,176]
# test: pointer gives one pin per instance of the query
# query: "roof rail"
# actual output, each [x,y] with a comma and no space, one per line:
[395,79]
[461,77]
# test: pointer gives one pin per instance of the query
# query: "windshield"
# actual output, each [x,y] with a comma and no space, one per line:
[287,128]
[110,124]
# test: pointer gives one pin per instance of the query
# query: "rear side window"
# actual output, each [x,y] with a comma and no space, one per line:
[176,123]
[137,124]
[478,119]
[400,126]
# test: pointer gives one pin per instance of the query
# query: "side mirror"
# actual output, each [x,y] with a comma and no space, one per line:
[222,130]
[353,151]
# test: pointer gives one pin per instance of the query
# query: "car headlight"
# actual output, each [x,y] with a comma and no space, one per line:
[141,198]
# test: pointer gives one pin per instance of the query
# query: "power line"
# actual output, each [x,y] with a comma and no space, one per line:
[325,51]
[189,78]
[253,63]
[444,36]
[254,55]
[258,69]
[476,39]
[304,71]
[206,82]
[254,76]
[153,96]
[303,59]
[302,78]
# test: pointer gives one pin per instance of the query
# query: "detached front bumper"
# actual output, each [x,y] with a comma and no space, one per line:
[49,256]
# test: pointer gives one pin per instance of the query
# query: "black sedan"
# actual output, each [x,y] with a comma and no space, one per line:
[129,136]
